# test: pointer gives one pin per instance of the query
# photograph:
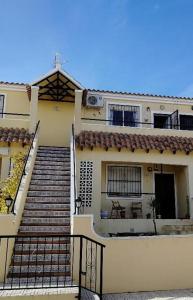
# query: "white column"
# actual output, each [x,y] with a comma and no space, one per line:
[33,108]
[77,111]
[190,188]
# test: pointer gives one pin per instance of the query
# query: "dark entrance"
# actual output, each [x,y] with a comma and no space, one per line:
[165,195]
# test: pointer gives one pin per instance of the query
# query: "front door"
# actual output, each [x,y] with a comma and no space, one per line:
[165,195]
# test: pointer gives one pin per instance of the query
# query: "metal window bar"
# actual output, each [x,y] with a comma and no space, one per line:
[34,262]
[125,180]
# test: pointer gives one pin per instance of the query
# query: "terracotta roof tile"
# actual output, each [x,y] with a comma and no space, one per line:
[137,94]
[15,135]
[90,139]
[12,83]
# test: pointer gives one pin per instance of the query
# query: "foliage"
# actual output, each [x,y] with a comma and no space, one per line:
[9,185]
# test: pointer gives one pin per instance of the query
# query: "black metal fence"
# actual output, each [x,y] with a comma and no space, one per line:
[34,262]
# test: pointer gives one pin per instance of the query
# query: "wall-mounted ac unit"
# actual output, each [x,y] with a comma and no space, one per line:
[94,101]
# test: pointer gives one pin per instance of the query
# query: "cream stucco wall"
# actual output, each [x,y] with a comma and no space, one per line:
[142,263]
[56,121]
[179,163]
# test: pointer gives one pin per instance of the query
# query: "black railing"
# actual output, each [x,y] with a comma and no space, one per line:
[178,125]
[73,150]
[12,208]
[34,262]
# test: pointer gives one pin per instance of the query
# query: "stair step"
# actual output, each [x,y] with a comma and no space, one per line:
[44,228]
[45,258]
[64,188]
[52,163]
[52,156]
[43,206]
[64,167]
[42,239]
[49,193]
[26,247]
[50,182]
[36,213]
[51,172]
[58,178]
[35,281]
[55,148]
[45,221]
[40,269]
[44,200]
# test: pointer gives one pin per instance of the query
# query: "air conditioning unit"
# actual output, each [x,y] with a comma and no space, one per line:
[94,101]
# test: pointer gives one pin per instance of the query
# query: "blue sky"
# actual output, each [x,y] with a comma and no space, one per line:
[128,45]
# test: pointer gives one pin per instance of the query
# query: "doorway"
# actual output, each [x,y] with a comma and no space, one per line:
[165,195]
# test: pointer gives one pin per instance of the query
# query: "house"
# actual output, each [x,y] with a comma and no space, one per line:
[100,168]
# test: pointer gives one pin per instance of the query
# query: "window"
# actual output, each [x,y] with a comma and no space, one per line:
[161,121]
[1,105]
[186,122]
[123,181]
[124,115]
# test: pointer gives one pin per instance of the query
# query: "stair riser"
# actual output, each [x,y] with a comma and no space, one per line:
[45,229]
[63,188]
[24,247]
[50,182]
[38,269]
[51,214]
[52,163]
[48,194]
[55,258]
[39,221]
[40,280]
[51,173]
[57,178]
[64,167]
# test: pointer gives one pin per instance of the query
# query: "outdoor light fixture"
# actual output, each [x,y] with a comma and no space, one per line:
[78,204]
[8,202]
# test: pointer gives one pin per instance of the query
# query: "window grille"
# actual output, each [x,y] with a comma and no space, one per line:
[124,181]
[124,115]
[86,173]
[1,105]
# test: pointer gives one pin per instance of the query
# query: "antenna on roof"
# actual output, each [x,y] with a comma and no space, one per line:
[58,61]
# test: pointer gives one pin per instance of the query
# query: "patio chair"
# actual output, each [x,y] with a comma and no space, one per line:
[136,210]
[117,210]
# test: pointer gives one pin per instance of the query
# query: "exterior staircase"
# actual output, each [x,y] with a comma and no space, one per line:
[41,253]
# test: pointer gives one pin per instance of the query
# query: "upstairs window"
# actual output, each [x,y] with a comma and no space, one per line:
[123,181]
[124,115]
[186,122]
[1,105]
[161,121]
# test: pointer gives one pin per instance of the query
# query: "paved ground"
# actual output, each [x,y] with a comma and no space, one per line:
[163,295]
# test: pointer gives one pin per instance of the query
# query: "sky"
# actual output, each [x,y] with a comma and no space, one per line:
[143,46]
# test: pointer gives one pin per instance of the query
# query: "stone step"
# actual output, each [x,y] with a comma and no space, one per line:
[63,188]
[39,280]
[36,213]
[42,206]
[29,247]
[39,269]
[51,160]
[45,229]
[52,156]
[49,193]
[33,258]
[50,182]
[48,200]
[51,172]
[64,167]
[43,239]
[58,178]
[52,163]
[55,148]
[45,221]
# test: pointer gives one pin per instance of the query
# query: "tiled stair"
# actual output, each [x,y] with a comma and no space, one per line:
[43,259]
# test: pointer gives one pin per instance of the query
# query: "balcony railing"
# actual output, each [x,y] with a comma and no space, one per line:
[35,262]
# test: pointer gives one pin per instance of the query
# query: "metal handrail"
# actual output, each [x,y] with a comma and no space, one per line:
[86,262]
[74,166]
[24,167]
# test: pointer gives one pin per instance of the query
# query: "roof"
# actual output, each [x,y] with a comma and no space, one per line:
[12,83]
[15,135]
[106,140]
[138,94]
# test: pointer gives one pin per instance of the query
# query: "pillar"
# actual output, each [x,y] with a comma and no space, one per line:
[33,108]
